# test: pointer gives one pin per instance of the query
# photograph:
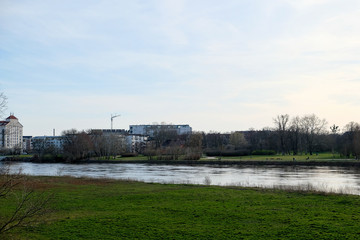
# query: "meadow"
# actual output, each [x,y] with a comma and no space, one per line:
[111,209]
[300,157]
[278,157]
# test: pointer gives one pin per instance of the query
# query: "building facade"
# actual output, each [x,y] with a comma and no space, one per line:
[27,145]
[136,143]
[11,133]
[151,130]
[46,142]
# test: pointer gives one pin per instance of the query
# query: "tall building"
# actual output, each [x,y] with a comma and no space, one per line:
[151,130]
[11,133]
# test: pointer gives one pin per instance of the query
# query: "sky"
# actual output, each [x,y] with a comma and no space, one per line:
[215,65]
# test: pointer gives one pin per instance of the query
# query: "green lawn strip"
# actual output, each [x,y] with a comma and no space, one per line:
[279,157]
[128,210]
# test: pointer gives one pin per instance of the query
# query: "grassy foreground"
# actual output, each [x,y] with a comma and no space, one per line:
[110,209]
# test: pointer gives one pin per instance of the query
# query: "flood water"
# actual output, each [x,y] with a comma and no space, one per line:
[329,179]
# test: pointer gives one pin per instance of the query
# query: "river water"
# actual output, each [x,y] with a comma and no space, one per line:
[328,179]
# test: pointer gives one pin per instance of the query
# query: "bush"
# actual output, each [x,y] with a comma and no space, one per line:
[263,152]
[192,156]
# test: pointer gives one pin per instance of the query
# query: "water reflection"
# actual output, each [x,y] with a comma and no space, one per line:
[334,179]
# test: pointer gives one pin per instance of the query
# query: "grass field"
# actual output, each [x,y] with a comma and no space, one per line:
[109,209]
[278,157]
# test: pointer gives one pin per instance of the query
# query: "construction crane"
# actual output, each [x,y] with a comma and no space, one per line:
[112,117]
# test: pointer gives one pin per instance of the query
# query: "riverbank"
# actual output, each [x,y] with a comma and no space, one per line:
[338,163]
[111,209]
[211,161]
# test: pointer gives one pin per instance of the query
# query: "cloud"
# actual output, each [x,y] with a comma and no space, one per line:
[218,66]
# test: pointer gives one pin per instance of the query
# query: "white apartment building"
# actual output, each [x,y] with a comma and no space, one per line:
[11,133]
[150,130]
[48,141]
[136,143]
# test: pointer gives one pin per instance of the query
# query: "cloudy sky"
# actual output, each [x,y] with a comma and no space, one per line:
[216,65]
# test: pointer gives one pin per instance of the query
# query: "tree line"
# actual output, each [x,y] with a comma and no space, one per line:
[306,134]
[78,145]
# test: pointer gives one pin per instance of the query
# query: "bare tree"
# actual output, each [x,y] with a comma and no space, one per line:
[163,136]
[281,123]
[294,134]
[29,206]
[194,144]
[114,144]
[334,130]
[98,140]
[237,139]
[77,145]
[311,126]
[351,140]
[356,143]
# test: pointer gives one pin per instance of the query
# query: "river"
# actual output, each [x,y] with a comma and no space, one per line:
[328,179]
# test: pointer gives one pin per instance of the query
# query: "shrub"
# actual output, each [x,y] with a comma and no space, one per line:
[192,156]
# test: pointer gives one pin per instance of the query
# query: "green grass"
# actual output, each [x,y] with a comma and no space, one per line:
[120,158]
[109,209]
[21,156]
[279,157]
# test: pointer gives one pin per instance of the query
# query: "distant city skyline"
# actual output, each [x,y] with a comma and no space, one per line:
[217,66]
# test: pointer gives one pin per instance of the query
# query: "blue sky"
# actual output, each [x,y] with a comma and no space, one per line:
[216,65]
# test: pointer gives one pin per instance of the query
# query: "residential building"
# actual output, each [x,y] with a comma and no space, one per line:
[136,143]
[27,146]
[110,131]
[151,130]
[41,143]
[11,133]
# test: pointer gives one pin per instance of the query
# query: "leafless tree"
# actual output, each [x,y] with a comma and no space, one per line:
[356,143]
[163,136]
[194,144]
[294,134]
[237,139]
[114,144]
[77,145]
[281,123]
[311,126]
[351,140]
[334,130]
[150,150]
[29,206]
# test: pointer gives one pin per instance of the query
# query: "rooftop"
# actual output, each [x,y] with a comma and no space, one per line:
[12,117]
